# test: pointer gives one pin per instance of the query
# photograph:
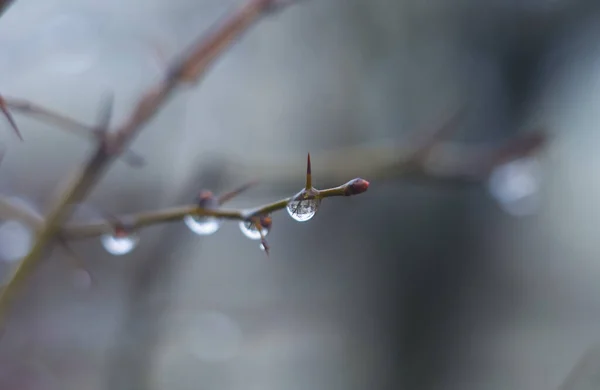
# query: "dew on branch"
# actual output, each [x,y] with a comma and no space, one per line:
[16,240]
[119,244]
[515,185]
[303,206]
[202,225]
[251,231]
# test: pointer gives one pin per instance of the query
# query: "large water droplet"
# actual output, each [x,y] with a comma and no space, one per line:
[515,185]
[202,226]
[249,229]
[303,209]
[120,245]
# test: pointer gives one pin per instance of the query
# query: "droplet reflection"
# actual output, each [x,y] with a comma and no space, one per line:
[119,245]
[16,240]
[249,229]
[202,226]
[515,185]
[301,209]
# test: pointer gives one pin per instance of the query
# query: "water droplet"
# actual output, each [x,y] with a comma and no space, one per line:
[119,245]
[515,185]
[249,229]
[262,247]
[202,226]
[302,209]
[16,240]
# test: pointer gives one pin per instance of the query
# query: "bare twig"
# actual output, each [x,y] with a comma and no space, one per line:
[65,123]
[9,118]
[144,219]
[447,163]
[191,67]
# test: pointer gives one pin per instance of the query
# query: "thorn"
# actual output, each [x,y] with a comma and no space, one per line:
[9,117]
[258,222]
[424,147]
[308,174]
[105,113]
[261,223]
[231,194]
[265,246]
[2,153]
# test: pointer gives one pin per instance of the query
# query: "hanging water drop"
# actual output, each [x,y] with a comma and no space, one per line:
[119,244]
[303,206]
[251,231]
[203,226]
[16,239]
[515,185]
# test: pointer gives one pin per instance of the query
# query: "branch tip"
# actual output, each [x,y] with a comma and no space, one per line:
[356,186]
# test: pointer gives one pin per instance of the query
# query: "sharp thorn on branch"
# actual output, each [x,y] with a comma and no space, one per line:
[233,193]
[105,113]
[10,118]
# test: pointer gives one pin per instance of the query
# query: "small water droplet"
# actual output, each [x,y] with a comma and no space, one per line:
[202,226]
[262,247]
[119,245]
[302,209]
[16,240]
[249,229]
[515,185]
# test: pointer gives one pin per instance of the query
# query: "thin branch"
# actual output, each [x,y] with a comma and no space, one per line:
[447,163]
[65,123]
[9,118]
[190,68]
[175,214]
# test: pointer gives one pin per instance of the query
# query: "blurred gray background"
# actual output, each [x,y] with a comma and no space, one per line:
[405,287]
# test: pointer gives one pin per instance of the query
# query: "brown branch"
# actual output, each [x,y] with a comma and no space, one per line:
[429,160]
[190,68]
[174,214]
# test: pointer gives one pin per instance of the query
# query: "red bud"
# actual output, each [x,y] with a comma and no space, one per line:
[356,186]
